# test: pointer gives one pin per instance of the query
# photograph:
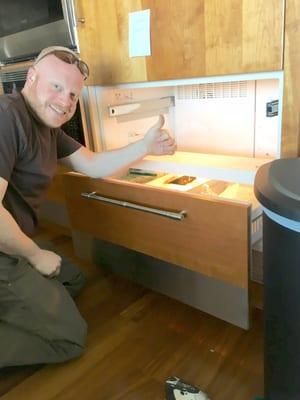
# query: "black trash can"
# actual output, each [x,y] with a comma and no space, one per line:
[277,187]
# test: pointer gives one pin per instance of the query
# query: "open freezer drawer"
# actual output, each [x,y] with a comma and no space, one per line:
[212,237]
[201,257]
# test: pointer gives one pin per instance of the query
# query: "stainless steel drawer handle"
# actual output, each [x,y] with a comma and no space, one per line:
[169,214]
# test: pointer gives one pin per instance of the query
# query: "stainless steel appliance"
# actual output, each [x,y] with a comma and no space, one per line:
[224,131]
[28,27]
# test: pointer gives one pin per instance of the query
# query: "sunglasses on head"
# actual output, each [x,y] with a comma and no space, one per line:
[70,58]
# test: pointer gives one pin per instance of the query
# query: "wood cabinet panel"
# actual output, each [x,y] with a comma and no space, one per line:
[56,191]
[103,39]
[262,33]
[215,37]
[290,146]
[177,39]
[189,38]
[213,239]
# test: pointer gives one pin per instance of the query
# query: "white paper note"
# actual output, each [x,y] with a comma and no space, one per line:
[139,33]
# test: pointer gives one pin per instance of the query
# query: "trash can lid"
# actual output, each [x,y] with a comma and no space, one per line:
[277,187]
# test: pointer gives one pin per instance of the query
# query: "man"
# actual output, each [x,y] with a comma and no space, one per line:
[39,322]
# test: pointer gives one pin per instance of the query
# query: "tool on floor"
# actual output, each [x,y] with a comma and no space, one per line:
[177,389]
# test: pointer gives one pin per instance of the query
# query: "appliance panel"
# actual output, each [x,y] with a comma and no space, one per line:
[16,17]
[26,30]
[226,118]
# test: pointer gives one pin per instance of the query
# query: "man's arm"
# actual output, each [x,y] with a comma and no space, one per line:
[14,242]
[98,165]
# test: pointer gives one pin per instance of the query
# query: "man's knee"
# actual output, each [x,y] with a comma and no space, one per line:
[79,346]
[73,346]
[82,333]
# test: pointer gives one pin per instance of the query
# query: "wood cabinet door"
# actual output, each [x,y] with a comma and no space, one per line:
[103,41]
[214,37]
[189,38]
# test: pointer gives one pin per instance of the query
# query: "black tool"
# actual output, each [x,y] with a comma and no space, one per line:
[177,389]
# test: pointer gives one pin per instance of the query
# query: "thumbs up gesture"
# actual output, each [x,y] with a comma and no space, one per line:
[158,141]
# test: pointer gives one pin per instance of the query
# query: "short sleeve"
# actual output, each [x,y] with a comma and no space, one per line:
[66,145]
[9,142]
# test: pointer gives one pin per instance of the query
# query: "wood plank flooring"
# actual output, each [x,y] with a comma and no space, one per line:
[137,339]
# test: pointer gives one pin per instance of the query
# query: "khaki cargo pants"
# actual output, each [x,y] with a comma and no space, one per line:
[39,321]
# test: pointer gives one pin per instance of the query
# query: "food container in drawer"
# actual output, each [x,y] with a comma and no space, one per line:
[214,188]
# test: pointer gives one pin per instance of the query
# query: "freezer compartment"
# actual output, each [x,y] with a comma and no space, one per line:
[201,258]
[212,236]
[204,187]
[213,166]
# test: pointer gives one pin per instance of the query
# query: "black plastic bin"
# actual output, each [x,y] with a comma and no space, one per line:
[277,187]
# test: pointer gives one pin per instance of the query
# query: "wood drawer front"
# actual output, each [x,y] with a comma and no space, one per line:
[213,238]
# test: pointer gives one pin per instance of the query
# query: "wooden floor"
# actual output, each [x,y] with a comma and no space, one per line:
[137,339]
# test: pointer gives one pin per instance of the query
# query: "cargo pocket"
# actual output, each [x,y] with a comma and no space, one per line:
[12,269]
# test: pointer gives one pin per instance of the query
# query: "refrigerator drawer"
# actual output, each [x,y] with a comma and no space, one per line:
[207,236]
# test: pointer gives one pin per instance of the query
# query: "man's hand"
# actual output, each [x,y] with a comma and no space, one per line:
[46,262]
[158,141]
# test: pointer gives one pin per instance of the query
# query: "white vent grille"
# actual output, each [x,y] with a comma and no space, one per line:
[213,90]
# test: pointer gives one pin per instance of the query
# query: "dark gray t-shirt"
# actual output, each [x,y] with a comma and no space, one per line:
[29,151]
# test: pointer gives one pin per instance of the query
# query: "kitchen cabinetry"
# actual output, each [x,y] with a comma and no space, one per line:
[187,244]
[190,242]
[103,41]
[188,38]
[53,212]
[290,145]
[198,38]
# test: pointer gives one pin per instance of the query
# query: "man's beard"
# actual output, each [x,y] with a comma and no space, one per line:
[37,110]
